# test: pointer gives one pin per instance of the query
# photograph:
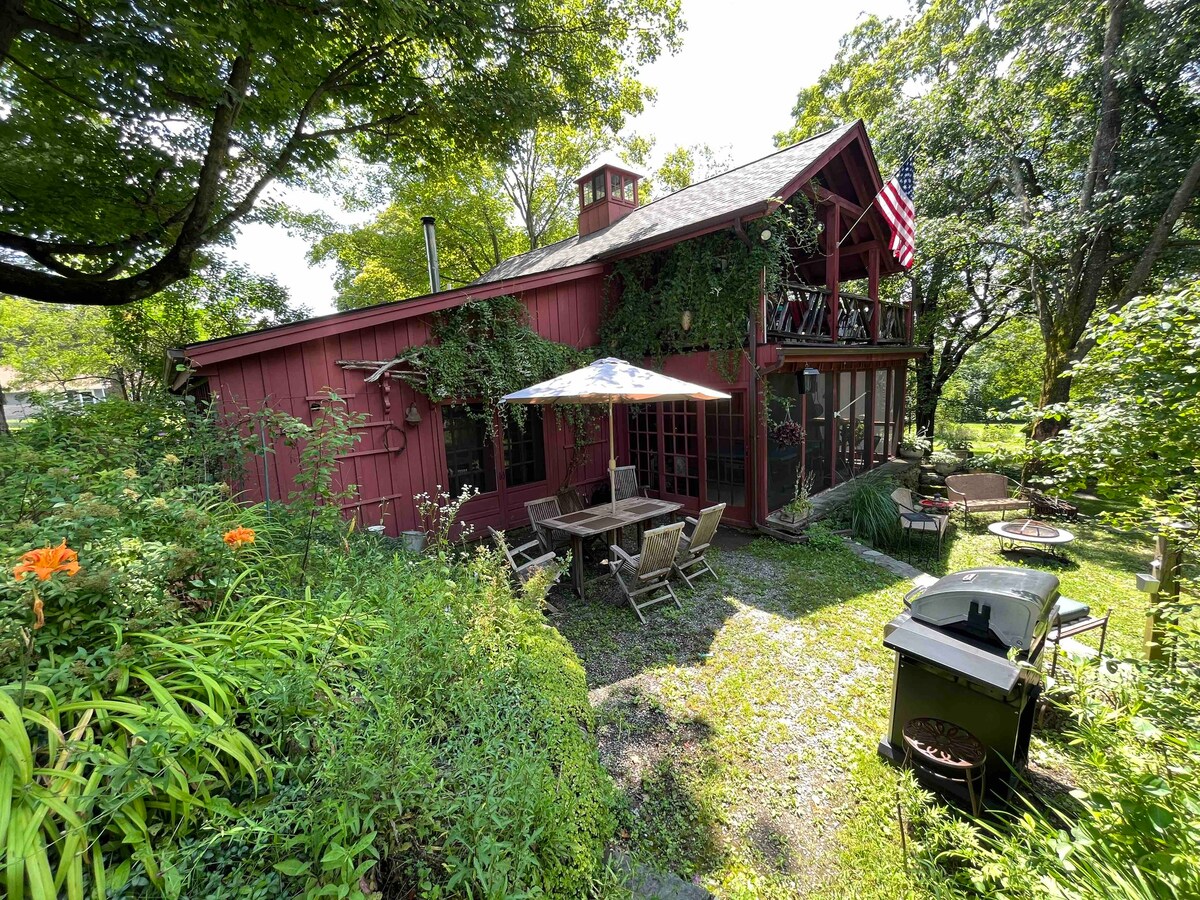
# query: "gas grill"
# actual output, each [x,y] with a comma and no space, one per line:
[968,651]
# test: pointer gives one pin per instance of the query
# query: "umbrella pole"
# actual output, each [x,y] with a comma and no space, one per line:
[612,462]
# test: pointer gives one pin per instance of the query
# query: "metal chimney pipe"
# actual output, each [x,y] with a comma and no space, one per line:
[435,280]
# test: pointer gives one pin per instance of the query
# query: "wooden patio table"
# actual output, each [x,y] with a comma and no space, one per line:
[604,519]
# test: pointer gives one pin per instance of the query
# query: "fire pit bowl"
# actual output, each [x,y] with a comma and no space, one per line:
[1031,533]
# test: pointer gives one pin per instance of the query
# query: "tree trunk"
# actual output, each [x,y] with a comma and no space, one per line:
[1056,388]
[3,417]
[928,394]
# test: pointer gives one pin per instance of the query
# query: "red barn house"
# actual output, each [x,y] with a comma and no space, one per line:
[853,346]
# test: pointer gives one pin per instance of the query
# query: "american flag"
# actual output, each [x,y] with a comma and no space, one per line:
[896,204]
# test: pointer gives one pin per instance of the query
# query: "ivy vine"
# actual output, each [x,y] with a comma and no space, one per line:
[485,349]
[700,293]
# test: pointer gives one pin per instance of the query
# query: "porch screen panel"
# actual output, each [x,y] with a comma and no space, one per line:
[817,433]
[525,450]
[883,421]
[725,450]
[782,459]
[470,460]
[896,402]
[681,448]
[643,444]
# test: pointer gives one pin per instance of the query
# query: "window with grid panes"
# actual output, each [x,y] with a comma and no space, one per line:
[469,456]
[680,448]
[725,450]
[525,450]
[643,444]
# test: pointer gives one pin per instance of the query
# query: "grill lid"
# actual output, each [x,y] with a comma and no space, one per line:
[1006,602]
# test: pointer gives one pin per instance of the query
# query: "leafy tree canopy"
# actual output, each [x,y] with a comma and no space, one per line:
[1138,438]
[1060,139]
[136,134]
[58,344]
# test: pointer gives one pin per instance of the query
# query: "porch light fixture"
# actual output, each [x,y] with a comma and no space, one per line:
[685,321]
[806,381]
[766,234]
[820,227]
[411,415]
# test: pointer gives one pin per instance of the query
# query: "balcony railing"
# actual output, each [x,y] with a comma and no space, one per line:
[800,314]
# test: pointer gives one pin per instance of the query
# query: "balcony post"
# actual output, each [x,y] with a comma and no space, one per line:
[908,318]
[833,274]
[873,292]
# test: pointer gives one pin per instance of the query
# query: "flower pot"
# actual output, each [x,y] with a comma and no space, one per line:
[963,454]
[912,454]
[413,541]
[946,468]
[793,518]
[376,530]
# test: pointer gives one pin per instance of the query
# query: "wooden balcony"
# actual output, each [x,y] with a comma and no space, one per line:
[801,314]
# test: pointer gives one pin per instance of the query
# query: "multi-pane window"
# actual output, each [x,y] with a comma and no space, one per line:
[725,450]
[598,185]
[470,459]
[628,189]
[643,444]
[680,448]
[525,450]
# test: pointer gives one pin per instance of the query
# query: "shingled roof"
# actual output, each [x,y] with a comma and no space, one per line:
[741,190]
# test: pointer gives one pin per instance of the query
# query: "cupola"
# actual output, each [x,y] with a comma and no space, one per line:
[606,194]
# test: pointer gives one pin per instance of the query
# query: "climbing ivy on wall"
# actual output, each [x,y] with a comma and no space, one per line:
[485,349]
[709,283]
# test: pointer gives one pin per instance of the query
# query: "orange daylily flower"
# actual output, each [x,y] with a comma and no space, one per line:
[46,561]
[238,536]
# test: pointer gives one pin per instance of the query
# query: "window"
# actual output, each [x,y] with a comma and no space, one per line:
[629,190]
[525,450]
[469,456]
[616,186]
[643,444]
[598,185]
[588,194]
[725,450]
[680,448]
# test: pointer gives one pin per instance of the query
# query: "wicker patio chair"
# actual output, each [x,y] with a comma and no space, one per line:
[539,511]
[643,578]
[627,484]
[913,519]
[694,547]
[984,492]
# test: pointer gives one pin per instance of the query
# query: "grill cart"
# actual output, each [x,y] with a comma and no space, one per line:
[968,652]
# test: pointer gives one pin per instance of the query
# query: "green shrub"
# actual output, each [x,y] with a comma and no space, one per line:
[301,713]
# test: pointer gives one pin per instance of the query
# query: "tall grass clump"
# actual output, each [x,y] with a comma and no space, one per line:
[874,516]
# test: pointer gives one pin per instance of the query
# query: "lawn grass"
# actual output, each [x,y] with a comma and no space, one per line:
[742,729]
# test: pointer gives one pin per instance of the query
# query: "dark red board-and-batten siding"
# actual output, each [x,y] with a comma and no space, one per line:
[292,378]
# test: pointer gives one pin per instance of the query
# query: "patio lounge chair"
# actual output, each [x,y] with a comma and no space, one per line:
[539,511]
[626,483]
[643,578]
[522,560]
[984,492]
[694,546]
[913,519]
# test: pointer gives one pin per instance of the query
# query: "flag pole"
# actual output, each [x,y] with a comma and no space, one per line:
[867,209]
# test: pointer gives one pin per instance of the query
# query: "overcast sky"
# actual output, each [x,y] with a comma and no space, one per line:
[732,86]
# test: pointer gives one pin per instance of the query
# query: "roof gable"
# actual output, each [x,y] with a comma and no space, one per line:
[746,190]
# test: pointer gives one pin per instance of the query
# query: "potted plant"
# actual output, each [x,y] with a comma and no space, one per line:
[960,447]
[914,447]
[944,462]
[801,506]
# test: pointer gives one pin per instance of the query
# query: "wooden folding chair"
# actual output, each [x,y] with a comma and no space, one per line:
[645,575]
[626,483]
[523,562]
[694,546]
[539,511]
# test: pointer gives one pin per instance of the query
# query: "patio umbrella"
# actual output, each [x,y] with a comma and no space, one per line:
[612,381]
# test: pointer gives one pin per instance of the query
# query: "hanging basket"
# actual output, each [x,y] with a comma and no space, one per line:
[789,434]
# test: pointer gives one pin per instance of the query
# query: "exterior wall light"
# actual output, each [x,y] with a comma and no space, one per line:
[807,380]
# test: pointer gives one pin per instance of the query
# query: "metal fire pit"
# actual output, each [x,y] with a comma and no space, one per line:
[1031,532]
